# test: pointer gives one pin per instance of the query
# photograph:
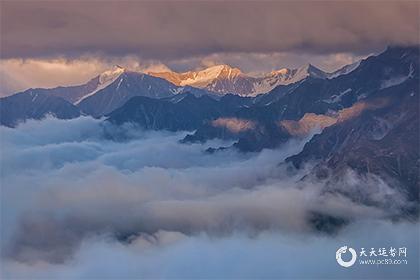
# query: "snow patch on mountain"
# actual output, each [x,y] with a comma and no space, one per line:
[225,79]
[286,76]
[344,70]
[398,80]
[337,97]
[105,79]
[204,77]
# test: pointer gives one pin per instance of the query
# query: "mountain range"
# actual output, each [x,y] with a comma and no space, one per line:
[366,121]
[224,79]
[111,89]
[365,116]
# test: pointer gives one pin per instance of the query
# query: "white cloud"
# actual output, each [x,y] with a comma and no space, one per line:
[69,193]
[268,255]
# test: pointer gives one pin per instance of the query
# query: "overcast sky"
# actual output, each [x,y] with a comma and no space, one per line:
[59,39]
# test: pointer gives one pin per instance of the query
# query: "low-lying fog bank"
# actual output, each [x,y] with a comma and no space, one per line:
[76,204]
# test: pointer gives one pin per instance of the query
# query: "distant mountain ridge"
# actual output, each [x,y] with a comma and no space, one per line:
[107,92]
[225,79]
[306,89]
[321,97]
[33,105]
[113,88]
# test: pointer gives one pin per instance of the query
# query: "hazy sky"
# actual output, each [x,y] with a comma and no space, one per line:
[57,39]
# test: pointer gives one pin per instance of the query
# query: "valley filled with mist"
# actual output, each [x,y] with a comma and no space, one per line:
[209,139]
[75,200]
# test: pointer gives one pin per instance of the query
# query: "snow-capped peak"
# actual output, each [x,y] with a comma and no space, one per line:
[110,75]
[204,77]
[104,79]
[226,79]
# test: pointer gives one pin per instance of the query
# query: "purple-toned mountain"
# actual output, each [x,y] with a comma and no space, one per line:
[32,105]
[113,88]
[102,94]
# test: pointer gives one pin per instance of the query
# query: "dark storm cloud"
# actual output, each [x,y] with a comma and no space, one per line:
[165,30]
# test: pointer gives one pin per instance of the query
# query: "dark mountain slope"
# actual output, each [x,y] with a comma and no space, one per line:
[187,114]
[383,140]
[69,93]
[319,96]
[20,107]
[392,67]
[126,86]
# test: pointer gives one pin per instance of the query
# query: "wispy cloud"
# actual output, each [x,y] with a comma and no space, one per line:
[64,182]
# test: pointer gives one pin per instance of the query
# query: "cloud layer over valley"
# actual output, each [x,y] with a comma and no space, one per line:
[73,200]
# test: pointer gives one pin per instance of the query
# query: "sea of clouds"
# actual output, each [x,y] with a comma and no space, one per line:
[77,203]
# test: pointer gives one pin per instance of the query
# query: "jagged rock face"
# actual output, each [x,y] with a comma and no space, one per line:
[284,109]
[394,66]
[224,79]
[330,100]
[382,140]
[221,79]
[241,85]
[200,78]
[32,105]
